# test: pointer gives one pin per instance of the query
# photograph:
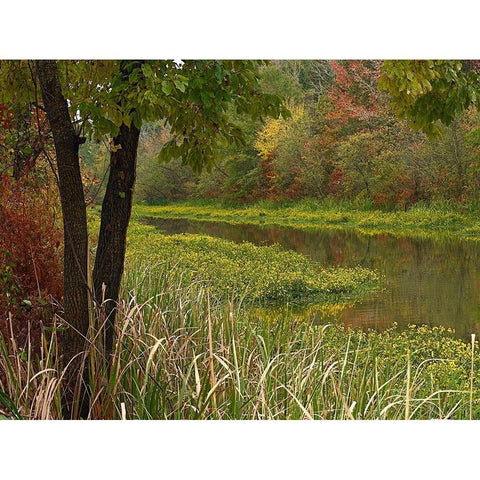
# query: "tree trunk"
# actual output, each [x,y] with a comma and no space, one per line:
[116,210]
[75,299]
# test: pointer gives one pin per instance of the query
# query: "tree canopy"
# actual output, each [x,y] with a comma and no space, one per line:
[193,97]
[428,91]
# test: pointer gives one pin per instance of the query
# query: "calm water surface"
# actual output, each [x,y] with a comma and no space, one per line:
[433,282]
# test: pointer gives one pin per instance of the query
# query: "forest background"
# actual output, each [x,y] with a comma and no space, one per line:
[343,142]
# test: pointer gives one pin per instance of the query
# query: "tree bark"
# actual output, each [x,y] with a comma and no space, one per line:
[76,297]
[116,210]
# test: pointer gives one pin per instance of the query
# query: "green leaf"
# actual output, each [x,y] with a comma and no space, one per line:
[9,404]
[166,87]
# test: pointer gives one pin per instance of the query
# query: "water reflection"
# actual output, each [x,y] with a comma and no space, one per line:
[433,282]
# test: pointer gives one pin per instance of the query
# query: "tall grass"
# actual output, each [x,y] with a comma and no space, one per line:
[182,354]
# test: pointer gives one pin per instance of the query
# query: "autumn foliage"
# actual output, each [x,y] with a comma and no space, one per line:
[354,93]
[342,141]
[30,255]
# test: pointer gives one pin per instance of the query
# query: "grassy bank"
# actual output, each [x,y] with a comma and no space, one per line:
[420,220]
[182,355]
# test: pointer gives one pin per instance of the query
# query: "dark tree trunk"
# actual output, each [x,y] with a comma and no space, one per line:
[75,299]
[116,210]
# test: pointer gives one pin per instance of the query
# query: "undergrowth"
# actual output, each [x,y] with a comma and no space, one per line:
[31,248]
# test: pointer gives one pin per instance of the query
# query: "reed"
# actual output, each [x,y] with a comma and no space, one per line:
[182,354]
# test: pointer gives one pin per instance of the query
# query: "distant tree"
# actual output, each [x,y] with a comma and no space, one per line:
[358,157]
[313,76]
[354,94]
[433,92]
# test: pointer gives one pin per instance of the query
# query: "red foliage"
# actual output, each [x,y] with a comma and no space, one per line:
[295,190]
[269,176]
[381,199]
[30,256]
[354,93]
[474,65]
[335,183]
[6,117]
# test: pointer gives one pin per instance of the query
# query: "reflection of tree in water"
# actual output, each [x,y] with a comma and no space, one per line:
[433,282]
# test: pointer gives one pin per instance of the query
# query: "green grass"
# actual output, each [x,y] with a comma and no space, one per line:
[183,355]
[420,220]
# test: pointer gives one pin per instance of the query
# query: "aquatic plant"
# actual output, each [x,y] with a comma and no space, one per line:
[254,273]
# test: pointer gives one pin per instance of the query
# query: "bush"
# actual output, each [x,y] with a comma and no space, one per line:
[30,255]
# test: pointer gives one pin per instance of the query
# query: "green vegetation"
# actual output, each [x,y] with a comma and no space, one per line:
[182,355]
[431,90]
[420,220]
[254,273]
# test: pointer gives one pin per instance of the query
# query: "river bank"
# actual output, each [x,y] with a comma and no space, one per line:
[419,221]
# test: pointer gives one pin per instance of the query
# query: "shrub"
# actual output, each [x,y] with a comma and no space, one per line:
[30,255]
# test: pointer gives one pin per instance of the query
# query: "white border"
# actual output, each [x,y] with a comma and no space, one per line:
[314,29]
[247,450]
